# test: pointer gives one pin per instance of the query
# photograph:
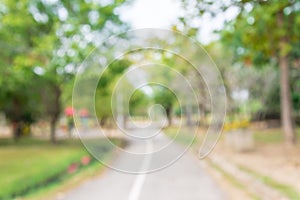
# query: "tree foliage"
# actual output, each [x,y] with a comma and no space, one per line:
[105,88]
[47,40]
[166,98]
[262,33]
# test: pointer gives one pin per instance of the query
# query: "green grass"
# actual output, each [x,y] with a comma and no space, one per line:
[264,136]
[64,183]
[32,164]
[232,180]
[286,190]
[185,136]
[268,136]
[271,136]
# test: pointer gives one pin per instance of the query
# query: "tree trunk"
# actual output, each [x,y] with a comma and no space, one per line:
[55,109]
[17,130]
[202,102]
[125,119]
[285,91]
[52,130]
[285,98]
[169,115]
[102,121]
[188,114]
[16,119]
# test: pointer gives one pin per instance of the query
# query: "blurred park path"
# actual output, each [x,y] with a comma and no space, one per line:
[185,179]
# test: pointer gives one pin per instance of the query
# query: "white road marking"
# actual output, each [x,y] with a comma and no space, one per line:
[140,179]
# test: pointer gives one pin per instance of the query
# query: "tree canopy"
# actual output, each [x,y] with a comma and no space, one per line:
[47,40]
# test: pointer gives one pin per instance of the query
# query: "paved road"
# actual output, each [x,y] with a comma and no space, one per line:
[183,180]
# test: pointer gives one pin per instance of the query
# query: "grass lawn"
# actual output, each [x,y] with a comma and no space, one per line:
[268,136]
[263,136]
[186,136]
[32,164]
[52,190]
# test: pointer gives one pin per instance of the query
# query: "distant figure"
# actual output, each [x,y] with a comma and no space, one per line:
[69,112]
[84,117]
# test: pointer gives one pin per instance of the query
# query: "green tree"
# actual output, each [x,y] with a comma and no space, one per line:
[18,100]
[166,99]
[138,102]
[52,39]
[79,33]
[19,81]
[267,36]
[105,88]
[263,33]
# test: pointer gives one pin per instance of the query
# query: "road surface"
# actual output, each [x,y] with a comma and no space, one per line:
[183,180]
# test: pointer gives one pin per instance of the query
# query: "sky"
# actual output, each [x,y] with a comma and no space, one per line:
[151,13]
[164,13]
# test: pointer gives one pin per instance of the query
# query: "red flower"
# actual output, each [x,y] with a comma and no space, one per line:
[69,111]
[72,168]
[85,160]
